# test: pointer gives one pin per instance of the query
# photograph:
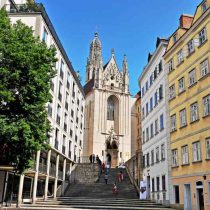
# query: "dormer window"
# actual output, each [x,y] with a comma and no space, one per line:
[175,38]
[204,6]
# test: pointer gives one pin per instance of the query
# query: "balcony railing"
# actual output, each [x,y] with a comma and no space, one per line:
[24,8]
[60,174]
[43,168]
[52,172]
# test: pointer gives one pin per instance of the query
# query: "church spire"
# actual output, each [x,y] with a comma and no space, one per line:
[95,62]
[125,65]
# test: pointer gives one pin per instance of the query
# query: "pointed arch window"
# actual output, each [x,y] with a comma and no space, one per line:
[110,109]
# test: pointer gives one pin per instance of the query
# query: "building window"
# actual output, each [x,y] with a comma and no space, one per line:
[175,157]
[162,151]
[147,86]
[71,133]
[156,98]
[153,185]
[143,113]
[160,66]
[161,122]
[204,68]
[50,109]
[204,6]
[175,38]
[60,91]
[173,122]
[183,118]
[72,113]
[163,183]
[157,155]
[202,36]
[194,112]
[151,79]
[170,65]
[208,148]
[143,136]
[44,35]
[192,77]
[151,131]
[110,109]
[65,122]
[152,157]
[68,81]
[181,85]
[58,119]
[62,69]
[196,151]
[185,156]
[142,92]
[156,127]
[161,92]
[172,92]
[155,73]
[147,134]
[147,159]
[206,103]
[144,164]
[151,104]
[73,90]
[190,47]
[147,109]
[158,183]
[51,85]
[180,56]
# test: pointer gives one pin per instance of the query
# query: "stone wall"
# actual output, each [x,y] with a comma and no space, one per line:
[85,173]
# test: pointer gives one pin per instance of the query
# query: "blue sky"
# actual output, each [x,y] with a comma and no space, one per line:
[129,26]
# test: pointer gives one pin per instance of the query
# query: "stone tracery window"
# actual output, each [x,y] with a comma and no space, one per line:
[110,109]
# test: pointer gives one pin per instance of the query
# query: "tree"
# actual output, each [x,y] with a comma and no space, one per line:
[26,68]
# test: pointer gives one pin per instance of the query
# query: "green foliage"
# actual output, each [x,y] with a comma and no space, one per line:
[26,68]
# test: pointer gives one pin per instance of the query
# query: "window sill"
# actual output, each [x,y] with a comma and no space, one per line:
[184,126]
[179,64]
[206,116]
[202,43]
[173,131]
[190,53]
[169,71]
[175,166]
[181,92]
[198,161]
[161,129]
[192,85]
[192,122]
[203,77]
[207,159]
[185,164]
[170,99]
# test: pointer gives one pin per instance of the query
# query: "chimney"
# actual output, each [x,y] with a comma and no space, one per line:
[185,21]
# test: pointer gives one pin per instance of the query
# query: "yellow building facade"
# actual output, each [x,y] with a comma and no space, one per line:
[188,64]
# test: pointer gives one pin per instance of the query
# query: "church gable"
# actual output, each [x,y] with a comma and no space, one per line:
[111,74]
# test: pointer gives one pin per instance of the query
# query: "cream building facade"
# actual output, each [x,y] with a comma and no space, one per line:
[107,108]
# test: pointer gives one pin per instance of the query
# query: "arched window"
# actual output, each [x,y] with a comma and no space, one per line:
[110,109]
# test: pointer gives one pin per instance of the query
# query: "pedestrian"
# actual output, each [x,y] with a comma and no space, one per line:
[115,189]
[106,178]
[91,158]
[94,158]
[107,168]
[103,167]
[121,175]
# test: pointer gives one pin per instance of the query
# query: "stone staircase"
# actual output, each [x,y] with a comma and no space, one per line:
[99,196]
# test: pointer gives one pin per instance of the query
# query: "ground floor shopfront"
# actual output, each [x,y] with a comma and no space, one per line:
[192,192]
[48,177]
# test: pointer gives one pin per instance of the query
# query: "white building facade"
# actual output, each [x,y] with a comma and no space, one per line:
[49,176]
[107,108]
[155,142]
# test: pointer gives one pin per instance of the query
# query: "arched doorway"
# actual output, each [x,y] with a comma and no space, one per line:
[108,158]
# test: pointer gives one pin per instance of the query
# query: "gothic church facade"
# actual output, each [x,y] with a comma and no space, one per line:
[108,108]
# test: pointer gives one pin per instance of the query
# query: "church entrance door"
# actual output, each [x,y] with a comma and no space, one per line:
[112,155]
